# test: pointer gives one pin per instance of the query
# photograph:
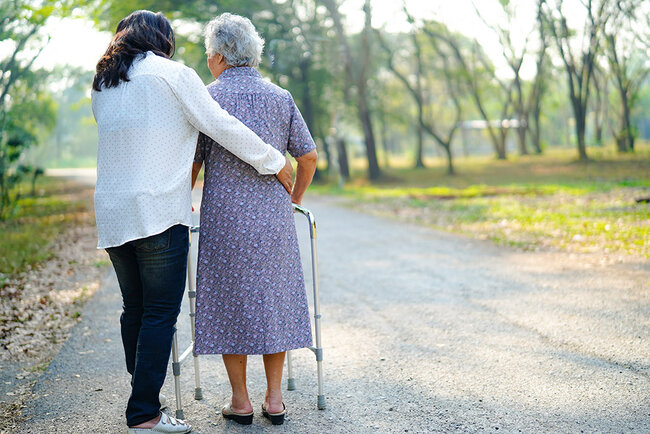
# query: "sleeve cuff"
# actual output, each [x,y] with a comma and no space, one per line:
[277,164]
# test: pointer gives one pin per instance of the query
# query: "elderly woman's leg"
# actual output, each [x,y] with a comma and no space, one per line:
[236,367]
[273,364]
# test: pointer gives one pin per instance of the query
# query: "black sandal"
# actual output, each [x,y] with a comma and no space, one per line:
[275,418]
[243,419]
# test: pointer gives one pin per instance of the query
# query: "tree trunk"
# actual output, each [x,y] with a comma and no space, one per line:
[523,124]
[365,117]
[535,131]
[580,131]
[307,106]
[419,161]
[599,106]
[581,123]
[328,155]
[598,133]
[374,172]
[537,142]
[501,151]
[521,135]
[343,158]
[626,127]
[450,164]
[358,76]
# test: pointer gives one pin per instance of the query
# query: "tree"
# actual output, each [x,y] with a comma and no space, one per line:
[514,57]
[26,110]
[600,103]
[579,59]
[417,80]
[627,59]
[299,50]
[478,75]
[357,75]
[538,87]
[412,80]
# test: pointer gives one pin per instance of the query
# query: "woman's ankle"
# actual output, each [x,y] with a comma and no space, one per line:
[273,398]
[148,424]
[241,403]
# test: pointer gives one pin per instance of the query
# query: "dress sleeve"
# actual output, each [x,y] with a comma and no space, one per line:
[207,116]
[300,140]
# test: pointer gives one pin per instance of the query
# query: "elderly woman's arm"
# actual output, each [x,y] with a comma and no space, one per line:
[304,175]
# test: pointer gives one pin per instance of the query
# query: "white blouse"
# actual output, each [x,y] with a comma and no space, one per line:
[148,128]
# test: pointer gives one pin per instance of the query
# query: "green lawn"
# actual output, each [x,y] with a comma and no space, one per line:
[37,220]
[533,202]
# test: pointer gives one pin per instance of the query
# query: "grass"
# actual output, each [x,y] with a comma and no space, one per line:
[37,220]
[532,202]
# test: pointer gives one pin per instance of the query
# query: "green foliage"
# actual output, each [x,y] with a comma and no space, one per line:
[304,55]
[26,120]
[73,139]
[37,220]
[533,202]
[27,112]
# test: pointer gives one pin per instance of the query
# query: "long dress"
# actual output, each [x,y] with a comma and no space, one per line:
[250,289]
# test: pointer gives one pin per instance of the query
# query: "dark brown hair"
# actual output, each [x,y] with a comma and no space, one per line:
[136,34]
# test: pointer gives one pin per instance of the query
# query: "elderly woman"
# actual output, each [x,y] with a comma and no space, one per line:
[251,295]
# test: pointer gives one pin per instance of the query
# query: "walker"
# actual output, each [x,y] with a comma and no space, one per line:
[191,293]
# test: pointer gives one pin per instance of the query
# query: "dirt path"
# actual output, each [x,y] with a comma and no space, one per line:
[423,332]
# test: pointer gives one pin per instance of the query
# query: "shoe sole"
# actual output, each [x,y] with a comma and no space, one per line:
[240,419]
[276,419]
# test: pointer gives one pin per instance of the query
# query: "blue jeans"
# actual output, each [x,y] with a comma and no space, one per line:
[151,272]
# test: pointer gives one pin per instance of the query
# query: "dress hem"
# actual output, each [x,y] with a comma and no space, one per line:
[273,351]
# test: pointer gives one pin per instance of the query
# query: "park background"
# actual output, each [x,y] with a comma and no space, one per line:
[539,109]
[523,122]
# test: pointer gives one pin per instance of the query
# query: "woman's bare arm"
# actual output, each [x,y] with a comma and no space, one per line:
[304,175]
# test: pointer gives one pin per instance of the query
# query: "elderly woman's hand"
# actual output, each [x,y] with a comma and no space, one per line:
[285,176]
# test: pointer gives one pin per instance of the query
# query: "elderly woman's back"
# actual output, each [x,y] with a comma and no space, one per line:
[247,225]
[263,107]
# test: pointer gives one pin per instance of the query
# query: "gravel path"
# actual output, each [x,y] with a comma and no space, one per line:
[423,332]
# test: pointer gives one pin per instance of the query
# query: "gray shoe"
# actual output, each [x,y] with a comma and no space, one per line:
[163,401]
[167,424]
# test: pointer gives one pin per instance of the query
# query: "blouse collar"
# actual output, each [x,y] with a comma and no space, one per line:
[240,71]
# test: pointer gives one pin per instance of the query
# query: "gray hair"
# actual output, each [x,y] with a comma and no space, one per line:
[235,38]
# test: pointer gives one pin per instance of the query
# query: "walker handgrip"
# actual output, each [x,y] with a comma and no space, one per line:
[300,209]
[310,217]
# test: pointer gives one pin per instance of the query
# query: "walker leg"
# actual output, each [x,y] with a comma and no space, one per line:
[176,371]
[291,381]
[191,293]
[198,392]
[318,350]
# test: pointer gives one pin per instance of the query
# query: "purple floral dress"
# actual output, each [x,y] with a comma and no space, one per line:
[250,290]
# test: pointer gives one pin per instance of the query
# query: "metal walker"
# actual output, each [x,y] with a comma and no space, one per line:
[191,293]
